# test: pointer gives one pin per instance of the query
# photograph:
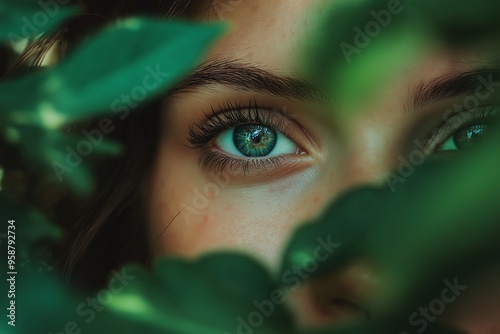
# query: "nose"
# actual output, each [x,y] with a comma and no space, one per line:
[335,298]
[344,293]
[370,153]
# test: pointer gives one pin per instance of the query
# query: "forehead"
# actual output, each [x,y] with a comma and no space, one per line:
[263,30]
[273,35]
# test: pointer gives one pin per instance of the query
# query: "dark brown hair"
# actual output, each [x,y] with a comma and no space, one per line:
[106,229]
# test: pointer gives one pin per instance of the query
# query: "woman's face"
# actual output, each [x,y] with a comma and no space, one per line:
[250,150]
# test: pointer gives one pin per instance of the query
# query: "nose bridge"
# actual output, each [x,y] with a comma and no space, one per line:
[368,153]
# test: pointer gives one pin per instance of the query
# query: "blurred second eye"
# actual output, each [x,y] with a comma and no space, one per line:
[465,138]
[255,141]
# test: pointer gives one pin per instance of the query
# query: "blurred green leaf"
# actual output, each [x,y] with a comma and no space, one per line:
[356,85]
[337,23]
[215,294]
[368,42]
[24,19]
[31,225]
[96,79]
[58,154]
[30,232]
[459,23]
[91,82]
[342,222]
[439,223]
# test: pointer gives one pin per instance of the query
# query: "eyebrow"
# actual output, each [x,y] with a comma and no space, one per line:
[449,87]
[249,77]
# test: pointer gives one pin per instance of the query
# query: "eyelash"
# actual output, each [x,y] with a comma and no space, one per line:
[221,162]
[230,115]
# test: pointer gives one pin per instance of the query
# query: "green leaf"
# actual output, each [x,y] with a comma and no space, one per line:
[215,294]
[112,73]
[32,227]
[25,19]
[336,24]
[371,72]
[43,298]
[31,233]
[58,153]
[440,223]
[459,23]
[358,47]
[218,294]
[341,225]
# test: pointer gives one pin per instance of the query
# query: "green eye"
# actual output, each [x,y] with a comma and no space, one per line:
[255,141]
[465,130]
[464,138]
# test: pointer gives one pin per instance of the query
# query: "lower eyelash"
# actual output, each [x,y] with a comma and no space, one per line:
[221,162]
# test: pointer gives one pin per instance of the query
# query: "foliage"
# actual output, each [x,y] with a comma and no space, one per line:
[401,232]
[17,18]
[87,83]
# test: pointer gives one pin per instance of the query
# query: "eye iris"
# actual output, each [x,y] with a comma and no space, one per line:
[254,140]
[469,136]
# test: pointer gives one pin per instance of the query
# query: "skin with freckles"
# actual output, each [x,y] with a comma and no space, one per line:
[257,208]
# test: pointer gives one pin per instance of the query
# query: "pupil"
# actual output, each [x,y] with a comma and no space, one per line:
[256,137]
[254,140]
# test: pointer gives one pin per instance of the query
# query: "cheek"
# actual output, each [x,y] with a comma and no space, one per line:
[213,215]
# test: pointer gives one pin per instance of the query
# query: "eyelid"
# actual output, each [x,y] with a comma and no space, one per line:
[459,121]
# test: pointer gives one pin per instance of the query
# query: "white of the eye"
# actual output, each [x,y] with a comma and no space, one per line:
[448,145]
[284,145]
